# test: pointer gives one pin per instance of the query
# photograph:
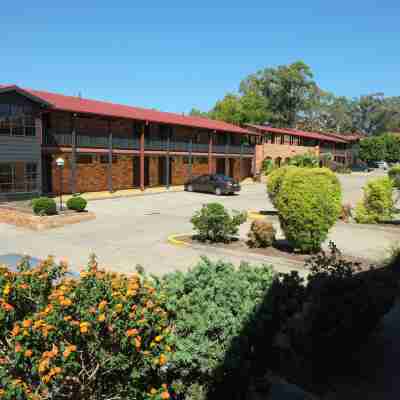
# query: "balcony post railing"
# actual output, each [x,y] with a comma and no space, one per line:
[167,167]
[141,155]
[210,150]
[73,153]
[190,156]
[227,143]
[110,157]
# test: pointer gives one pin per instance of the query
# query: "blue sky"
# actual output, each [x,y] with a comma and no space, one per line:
[175,55]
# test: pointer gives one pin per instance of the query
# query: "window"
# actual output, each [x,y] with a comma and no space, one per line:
[31,177]
[84,159]
[6,178]
[16,120]
[104,159]
[18,178]
[201,160]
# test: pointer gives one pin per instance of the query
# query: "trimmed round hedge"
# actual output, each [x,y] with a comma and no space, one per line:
[309,204]
[275,179]
[77,203]
[44,206]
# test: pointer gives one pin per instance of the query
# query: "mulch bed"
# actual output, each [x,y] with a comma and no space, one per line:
[280,250]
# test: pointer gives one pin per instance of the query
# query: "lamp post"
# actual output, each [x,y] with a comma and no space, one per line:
[60,163]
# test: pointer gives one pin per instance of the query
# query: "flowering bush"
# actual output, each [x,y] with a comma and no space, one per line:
[102,336]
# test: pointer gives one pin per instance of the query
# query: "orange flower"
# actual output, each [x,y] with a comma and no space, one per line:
[165,395]
[18,347]
[68,350]
[102,305]
[101,318]
[15,331]
[131,332]
[162,360]
[38,324]
[27,323]
[66,302]
[7,307]
[43,365]
[84,327]
[67,318]
[138,342]
[28,353]
[7,290]
[23,286]
[118,308]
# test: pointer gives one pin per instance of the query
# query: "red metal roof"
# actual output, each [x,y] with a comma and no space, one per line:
[295,132]
[86,106]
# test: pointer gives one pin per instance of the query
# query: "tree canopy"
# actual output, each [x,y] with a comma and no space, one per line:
[288,96]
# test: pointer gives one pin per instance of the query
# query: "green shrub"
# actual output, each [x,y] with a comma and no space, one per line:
[214,223]
[394,175]
[377,204]
[308,160]
[275,179]
[262,234]
[76,203]
[309,204]
[214,305]
[327,317]
[101,336]
[267,166]
[44,206]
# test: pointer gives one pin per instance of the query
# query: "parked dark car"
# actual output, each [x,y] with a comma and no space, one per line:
[216,183]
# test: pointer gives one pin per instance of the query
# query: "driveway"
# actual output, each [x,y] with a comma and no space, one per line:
[132,231]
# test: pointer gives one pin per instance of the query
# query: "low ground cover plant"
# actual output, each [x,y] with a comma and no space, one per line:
[308,201]
[44,206]
[215,224]
[77,203]
[102,336]
[262,234]
[377,204]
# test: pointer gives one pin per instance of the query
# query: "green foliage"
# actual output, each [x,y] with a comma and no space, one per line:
[44,206]
[64,338]
[214,223]
[214,304]
[262,234]
[309,204]
[309,160]
[377,204]
[287,88]
[394,175]
[77,203]
[275,180]
[380,148]
[267,166]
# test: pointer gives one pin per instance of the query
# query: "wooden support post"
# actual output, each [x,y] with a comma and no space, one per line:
[227,143]
[240,162]
[110,158]
[141,155]
[210,150]
[73,153]
[167,158]
[190,157]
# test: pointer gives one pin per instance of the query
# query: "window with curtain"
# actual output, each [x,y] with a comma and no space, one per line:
[17,120]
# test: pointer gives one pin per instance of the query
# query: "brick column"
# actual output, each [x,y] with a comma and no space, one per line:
[110,157]
[142,158]
[39,135]
[73,154]
[210,150]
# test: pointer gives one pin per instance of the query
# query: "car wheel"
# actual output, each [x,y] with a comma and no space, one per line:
[218,191]
[190,188]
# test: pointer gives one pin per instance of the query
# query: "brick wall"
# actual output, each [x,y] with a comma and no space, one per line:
[279,150]
[93,177]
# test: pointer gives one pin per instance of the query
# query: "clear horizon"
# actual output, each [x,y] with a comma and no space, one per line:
[176,56]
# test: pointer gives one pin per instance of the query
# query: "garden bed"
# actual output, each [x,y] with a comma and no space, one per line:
[21,215]
[280,250]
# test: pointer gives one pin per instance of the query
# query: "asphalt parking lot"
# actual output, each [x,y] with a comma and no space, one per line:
[132,231]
